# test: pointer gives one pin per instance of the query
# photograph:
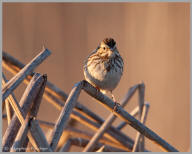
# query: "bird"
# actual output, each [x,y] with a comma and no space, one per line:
[103,67]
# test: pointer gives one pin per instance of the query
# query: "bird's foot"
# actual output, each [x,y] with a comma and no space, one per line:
[98,89]
[115,107]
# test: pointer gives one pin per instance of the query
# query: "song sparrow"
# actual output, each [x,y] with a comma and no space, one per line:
[103,68]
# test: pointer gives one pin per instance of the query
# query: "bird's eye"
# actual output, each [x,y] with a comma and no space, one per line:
[104,48]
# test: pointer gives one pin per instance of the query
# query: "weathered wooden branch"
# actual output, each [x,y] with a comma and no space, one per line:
[66,146]
[39,136]
[92,116]
[133,113]
[101,149]
[81,108]
[25,144]
[14,104]
[64,116]
[141,104]
[108,134]
[94,126]
[46,124]
[35,108]
[75,132]
[143,119]
[83,142]
[84,109]
[26,101]
[87,112]
[79,133]
[9,109]
[21,136]
[121,113]
[19,77]
[108,121]
[33,113]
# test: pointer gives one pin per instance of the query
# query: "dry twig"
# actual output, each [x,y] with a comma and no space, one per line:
[18,78]
[143,119]
[26,101]
[141,104]
[133,113]
[9,100]
[108,121]
[64,116]
[38,136]
[21,137]
[121,113]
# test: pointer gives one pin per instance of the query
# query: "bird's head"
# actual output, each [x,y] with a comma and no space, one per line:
[109,42]
[107,47]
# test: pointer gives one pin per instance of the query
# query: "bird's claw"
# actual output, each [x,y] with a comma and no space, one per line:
[115,107]
[98,89]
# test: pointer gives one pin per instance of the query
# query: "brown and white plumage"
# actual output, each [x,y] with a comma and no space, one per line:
[103,68]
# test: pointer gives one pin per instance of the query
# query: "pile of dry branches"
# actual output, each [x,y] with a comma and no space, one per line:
[24,128]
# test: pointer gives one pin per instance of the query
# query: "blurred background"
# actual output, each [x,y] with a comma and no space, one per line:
[153,39]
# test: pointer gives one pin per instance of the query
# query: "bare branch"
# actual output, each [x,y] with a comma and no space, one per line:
[64,116]
[15,105]
[25,102]
[74,132]
[121,113]
[18,78]
[108,121]
[35,108]
[46,124]
[109,134]
[143,119]
[66,146]
[89,114]
[141,104]
[9,109]
[83,142]
[133,113]
[21,136]
[39,136]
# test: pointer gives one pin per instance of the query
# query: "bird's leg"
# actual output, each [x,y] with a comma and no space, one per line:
[98,89]
[116,104]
